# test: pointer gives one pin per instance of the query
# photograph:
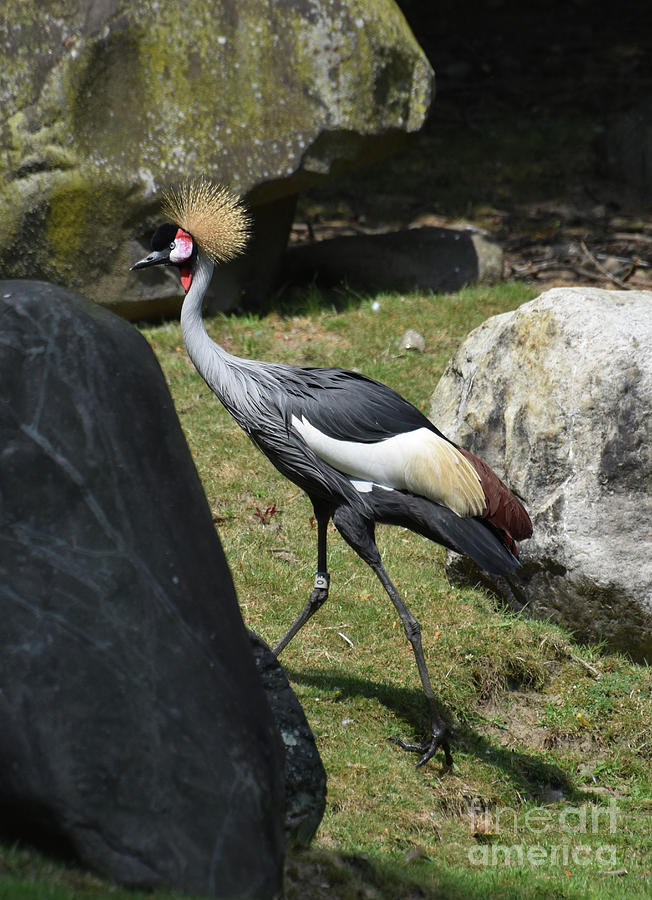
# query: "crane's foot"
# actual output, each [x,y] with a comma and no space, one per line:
[438,740]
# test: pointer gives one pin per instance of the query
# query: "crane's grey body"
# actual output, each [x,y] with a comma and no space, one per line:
[265,399]
[362,454]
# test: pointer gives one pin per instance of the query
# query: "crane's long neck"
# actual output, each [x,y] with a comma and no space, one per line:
[191,311]
[205,354]
[226,375]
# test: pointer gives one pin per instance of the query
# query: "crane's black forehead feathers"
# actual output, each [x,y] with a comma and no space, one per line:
[163,236]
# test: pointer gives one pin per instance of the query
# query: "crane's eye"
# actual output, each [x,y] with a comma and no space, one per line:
[173,245]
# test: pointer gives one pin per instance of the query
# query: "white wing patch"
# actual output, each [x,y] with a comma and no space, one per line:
[365,487]
[417,461]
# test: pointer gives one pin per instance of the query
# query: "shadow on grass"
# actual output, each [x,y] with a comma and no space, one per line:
[326,874]
[530,775]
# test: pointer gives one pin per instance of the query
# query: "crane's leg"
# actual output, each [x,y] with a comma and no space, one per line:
[322,581]
[359,534]
[439,730]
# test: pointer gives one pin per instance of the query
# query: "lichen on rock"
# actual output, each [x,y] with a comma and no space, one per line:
[105,104]
[556,396]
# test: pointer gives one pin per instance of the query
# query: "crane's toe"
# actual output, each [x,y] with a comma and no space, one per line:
[438,739]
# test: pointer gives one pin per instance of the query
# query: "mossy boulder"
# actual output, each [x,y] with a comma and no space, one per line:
[105,103]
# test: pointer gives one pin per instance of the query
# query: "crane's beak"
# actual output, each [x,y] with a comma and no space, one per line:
[155,258]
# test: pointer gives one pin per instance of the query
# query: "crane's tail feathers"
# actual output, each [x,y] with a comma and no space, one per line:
[468,535]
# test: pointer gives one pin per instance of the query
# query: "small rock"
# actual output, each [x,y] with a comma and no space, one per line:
[412,340]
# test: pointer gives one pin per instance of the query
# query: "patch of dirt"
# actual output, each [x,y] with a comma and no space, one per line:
[514,721]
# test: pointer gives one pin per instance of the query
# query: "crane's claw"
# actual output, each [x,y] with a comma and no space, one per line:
[439,738]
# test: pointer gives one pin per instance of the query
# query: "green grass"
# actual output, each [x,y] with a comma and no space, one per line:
[549,733]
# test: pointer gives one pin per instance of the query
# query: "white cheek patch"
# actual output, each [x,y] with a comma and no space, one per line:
[183,247]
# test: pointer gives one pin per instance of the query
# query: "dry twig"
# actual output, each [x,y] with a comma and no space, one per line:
[601,268]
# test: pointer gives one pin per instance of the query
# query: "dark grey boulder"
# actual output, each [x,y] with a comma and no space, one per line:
[305,778]
[134,729]
[414,259]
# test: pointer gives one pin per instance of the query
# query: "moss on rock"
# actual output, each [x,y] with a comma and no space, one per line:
[136,96]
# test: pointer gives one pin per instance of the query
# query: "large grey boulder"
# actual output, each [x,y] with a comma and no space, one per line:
[557,397]
[134,729]
[103,103]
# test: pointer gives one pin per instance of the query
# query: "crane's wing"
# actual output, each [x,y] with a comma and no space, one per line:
[349,406]
[369,432]
[365,429]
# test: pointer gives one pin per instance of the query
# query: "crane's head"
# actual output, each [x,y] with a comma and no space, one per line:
[207,218]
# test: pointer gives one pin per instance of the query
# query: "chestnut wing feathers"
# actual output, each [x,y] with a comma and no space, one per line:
[504,510]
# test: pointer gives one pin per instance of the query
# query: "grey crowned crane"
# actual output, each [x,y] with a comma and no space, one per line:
[360,451]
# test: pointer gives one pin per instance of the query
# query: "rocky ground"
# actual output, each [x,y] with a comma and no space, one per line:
[525,140]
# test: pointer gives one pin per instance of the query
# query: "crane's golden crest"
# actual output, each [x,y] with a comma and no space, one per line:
[211,214]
